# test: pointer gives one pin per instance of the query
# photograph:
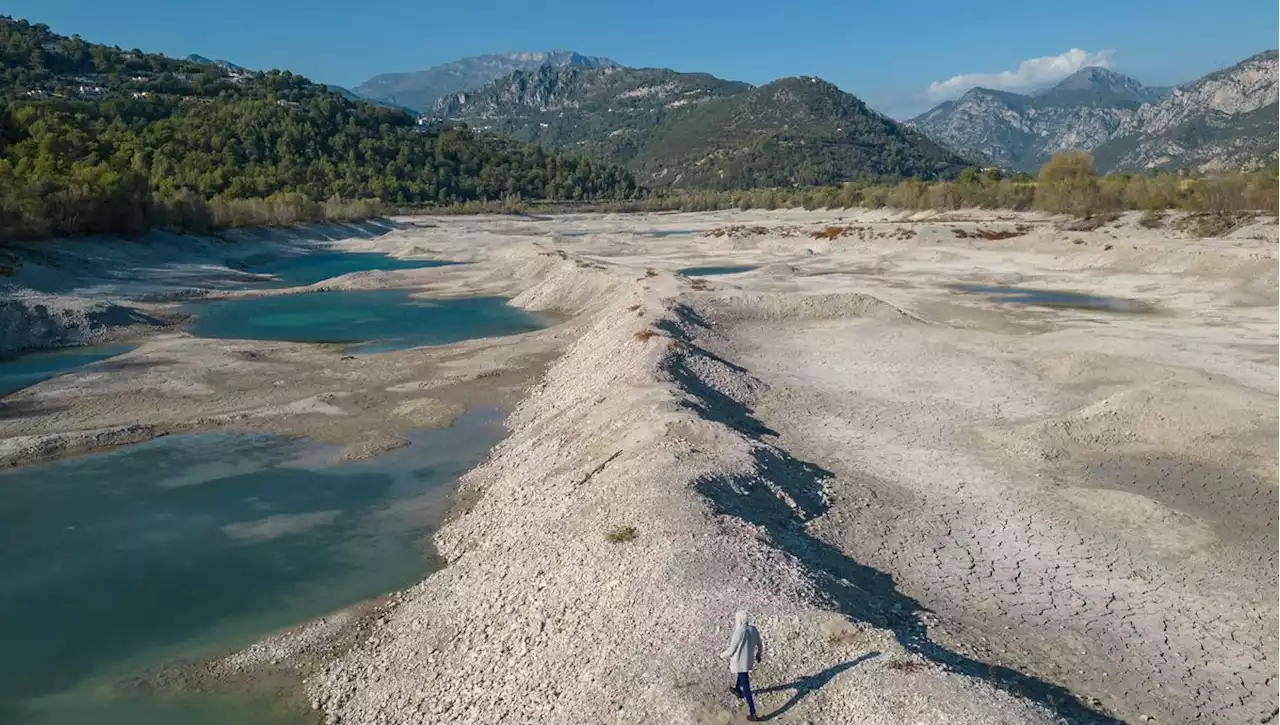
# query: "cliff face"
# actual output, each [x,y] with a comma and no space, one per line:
[420,90]
[1022,131]
[1219,121]
[1225,120]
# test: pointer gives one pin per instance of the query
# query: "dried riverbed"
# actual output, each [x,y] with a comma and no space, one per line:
[941,500]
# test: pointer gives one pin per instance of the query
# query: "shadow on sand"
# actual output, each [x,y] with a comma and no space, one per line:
[859,591]
[810,684]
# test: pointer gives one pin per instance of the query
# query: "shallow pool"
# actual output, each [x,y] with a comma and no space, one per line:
[713,271]
[663,233]
[117,561]
[1055,298]
[30,368]
[315,267]
[371,321]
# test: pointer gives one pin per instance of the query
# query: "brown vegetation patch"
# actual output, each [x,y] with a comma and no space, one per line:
[991,234]
[644,335]
[1151,219]
[1091,222]
[1212,224]
[622,534]
[831,232]
[740,231]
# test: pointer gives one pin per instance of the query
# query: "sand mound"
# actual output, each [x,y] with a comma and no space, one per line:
[756,306]
[55,321]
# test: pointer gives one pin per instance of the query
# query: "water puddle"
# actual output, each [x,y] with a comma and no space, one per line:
[1060,299]
[319,266]
[662,233]
[119,561]
[714,271]
[30,368]
[372,321]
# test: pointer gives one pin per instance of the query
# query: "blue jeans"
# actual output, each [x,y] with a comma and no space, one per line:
[743,686]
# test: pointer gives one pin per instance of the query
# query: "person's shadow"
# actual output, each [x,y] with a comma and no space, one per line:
[810,684]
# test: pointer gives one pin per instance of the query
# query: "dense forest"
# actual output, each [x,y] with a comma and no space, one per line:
[96,139]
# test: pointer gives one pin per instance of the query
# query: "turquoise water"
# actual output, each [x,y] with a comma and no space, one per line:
[1055,298]
[713,271]
[28,369]
[372,321]
[117,561]
[319,266]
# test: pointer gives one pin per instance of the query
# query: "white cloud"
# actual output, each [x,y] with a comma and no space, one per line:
[1029,74]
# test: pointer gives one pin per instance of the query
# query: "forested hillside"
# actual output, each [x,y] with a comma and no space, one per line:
[99,139]
[696,131]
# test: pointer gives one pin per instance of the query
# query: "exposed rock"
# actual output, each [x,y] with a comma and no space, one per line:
[1226,119]
[421,89]
[696,130]
[1021,131]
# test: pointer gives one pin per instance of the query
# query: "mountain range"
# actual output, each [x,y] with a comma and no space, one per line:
[420,90]
[693,129]
[696,130]
[1226,119]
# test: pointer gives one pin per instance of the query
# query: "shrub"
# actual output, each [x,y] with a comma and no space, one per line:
[1219,195]
[622,534]
[1151,219]
[1068,185]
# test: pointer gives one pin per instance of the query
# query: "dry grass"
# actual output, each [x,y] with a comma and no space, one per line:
[843,632]
[830,232]
[699,284]
[905,666]
[622,534]
[1091,222]
[1151,219]
[1212,224]
[742,230]
[644,335]
[991,234]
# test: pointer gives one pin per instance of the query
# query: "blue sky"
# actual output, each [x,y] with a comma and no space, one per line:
[889,53]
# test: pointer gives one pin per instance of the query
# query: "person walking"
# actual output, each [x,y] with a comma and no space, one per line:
[745,650]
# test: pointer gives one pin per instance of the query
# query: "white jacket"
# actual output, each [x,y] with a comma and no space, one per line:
[745,647]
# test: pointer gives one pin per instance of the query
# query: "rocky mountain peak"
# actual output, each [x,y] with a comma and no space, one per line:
[1219,120]
[421,89]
